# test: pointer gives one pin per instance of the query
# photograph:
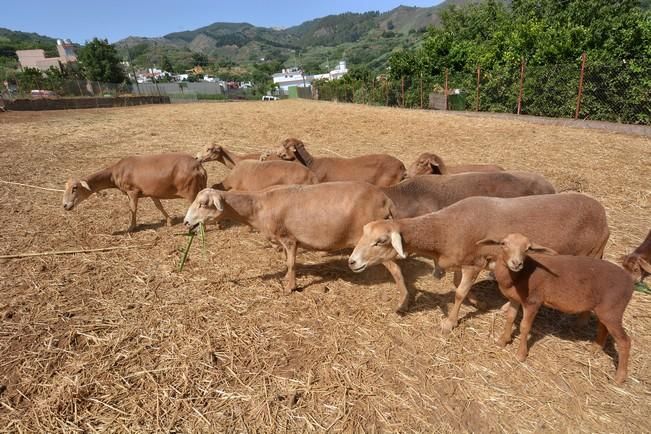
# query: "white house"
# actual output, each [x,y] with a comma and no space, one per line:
[291,77]
[295,76]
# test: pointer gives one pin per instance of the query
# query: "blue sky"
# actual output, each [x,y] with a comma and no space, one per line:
[81,20]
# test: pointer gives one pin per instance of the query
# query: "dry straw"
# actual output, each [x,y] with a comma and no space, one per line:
[119,341]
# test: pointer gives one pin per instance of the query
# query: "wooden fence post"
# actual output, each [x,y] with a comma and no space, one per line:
[580,95]
[421,92]
[446,88]
[521,85]
[386,91]
[478,79]
[402,91]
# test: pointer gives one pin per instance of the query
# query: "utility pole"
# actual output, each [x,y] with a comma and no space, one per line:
[133,71]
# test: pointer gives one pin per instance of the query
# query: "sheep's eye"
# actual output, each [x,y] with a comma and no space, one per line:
[74,189]
[380,242]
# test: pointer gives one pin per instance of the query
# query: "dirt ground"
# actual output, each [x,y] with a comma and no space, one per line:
[121,341]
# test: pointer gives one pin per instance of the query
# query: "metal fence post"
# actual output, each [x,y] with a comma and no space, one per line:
[580,95]
[402,91]
[478,80]
[446,88]
[521,85]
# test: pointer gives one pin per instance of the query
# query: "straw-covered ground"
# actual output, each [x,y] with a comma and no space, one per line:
[121,341]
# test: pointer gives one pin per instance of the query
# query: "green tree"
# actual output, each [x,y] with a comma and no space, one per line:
[100,62]
[166,64]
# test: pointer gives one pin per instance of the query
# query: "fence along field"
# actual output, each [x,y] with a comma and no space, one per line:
[120,340]
[587,89]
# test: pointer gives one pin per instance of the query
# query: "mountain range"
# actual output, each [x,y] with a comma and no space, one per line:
[360,38]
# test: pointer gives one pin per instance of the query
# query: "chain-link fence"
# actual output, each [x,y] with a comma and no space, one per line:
[583,90]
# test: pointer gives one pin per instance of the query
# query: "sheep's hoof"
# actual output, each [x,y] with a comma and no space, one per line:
[447,325]
[521,356]
[501,342]
[438,273]
[131,229]
[620,377]
[169,222]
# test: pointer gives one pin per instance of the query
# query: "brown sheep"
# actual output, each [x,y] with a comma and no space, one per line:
[323,217]
[378,169]
[258,175]
[570,223]
[230,159]
[425,194]
[161,176]
[638,263]
[431,164]
[571,284]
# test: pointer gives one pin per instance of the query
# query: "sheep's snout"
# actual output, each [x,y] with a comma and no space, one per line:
[355,265]
[68,206]
[515,265]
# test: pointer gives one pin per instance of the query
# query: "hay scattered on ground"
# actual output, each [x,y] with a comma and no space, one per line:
[122,341]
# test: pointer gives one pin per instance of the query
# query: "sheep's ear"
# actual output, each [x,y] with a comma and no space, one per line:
[488,242]
[434,167]
[644,265]
[396,242]
[85,185]
[305,157]
[537,248]
[217,201]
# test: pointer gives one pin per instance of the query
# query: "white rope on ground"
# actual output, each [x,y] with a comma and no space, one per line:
[31,186]
[70,252]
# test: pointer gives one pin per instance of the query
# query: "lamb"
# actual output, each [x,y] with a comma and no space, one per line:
[431,164]
[160,176]
[258,175]
[570,223]
[379,169]
[425,194]
[324,217]
[527,275]
[230,159]
[638,263]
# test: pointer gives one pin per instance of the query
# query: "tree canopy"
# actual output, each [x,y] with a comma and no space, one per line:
[100,62]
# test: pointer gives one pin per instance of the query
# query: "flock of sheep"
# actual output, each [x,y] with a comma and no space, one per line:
[544,248]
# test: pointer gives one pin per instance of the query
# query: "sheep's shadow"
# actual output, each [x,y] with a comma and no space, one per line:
[412,269]
[148,226]
[483,296]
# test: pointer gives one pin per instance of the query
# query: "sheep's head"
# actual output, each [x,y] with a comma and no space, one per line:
[211,153]
[515,248]
[426,164]
[75,192]
[208,206]
[294,150]
[381,241]
[637,266]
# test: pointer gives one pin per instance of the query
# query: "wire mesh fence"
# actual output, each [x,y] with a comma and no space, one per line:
[582,90]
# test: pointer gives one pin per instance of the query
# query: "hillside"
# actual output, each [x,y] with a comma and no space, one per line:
[11,40]
[361,38]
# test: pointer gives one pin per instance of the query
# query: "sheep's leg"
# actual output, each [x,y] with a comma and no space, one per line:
[602,335]
[133,205]
[168,219]
[468,276]
[290,252]
[623,342]
[510,315]
[529,311]
[471,298]
[408,295]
